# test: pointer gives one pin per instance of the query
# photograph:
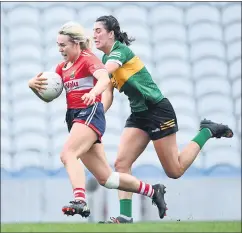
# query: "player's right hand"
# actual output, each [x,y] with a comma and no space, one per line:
[38,83]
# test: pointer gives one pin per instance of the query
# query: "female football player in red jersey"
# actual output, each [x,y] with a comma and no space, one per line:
[152,115]
[85,78]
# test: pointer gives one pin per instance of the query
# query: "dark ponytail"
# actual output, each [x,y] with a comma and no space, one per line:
[111,24]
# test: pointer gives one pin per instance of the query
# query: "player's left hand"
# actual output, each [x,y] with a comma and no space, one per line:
[88,98]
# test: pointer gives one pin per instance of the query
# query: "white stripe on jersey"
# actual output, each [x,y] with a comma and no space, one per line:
[79,84]
[115,54]
[116,61]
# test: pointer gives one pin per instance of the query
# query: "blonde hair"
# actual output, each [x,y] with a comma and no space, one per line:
[77,34]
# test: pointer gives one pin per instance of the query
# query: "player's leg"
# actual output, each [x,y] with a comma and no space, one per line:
[82,136]
[80,139]
[173,162]
[97,164]
[133,141]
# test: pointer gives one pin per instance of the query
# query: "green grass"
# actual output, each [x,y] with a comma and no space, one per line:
[232,226]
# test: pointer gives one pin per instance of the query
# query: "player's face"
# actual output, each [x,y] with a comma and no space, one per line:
[101,35]
[68,50]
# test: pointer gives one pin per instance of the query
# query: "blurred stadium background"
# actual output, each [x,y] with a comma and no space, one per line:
[193,51]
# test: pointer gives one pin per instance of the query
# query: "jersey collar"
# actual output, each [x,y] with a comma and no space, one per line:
[113,46]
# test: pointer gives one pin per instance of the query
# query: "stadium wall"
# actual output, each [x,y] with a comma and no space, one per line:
[198,198]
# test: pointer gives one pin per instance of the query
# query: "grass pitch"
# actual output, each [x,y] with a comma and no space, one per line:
[232,226]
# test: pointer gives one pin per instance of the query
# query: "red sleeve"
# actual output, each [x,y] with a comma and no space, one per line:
[58,69]
[93,64]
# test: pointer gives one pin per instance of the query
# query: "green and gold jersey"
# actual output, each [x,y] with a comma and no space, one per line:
[132,78]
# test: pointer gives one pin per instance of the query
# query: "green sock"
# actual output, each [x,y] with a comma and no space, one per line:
[126,207]
[202,137]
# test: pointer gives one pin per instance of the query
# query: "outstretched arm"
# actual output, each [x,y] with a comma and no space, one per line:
[107,97]
[101,85]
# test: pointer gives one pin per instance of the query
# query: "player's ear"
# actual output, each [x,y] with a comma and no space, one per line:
[111,34]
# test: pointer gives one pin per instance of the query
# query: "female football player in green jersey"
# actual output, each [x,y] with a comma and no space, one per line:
[152,115]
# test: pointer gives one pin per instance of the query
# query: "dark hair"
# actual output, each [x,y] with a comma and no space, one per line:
[112,24]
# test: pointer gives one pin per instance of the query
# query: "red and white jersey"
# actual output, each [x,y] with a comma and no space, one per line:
[78,79]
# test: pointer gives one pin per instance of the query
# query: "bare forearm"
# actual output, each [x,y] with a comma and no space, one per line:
[107,100]
[100,86]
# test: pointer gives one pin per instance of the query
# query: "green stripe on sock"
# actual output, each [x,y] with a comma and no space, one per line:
[126,207]
[202,137]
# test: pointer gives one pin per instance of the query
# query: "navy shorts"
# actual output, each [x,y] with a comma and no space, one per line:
[158,121]
[93,116]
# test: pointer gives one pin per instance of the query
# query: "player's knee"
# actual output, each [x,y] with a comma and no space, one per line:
[174,174]
[65,156]
[122,166]
[112,182]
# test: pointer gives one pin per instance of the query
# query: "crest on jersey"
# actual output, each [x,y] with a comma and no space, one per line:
[72,75]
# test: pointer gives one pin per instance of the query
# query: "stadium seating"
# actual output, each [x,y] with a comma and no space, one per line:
[167,32]
[58,141]
[21,90]
[193,51]
[62,15]
[172,67]
[234,69]
[214,102]
[238,126]
[166,13]
[232,32]
[29,122]
[53,56]
[207,48]
[209,66]
[177,85]
[31,141]
[205,30]
[24,70]
[232,13]
[226,155]
[87,19]
[234,50]
[26,52]
[238,106]
[189,122]
[184,137]
[143,50]
[183,103]
[236,88]
[50,36]
[4,32]
[201,12]
[131,13]
[170,50]
[25,34]
[29,105]
[24,15]
[210,84]
[139,31]
[29,158]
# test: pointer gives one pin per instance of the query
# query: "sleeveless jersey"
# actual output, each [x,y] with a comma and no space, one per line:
[78,79]
[132,78]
